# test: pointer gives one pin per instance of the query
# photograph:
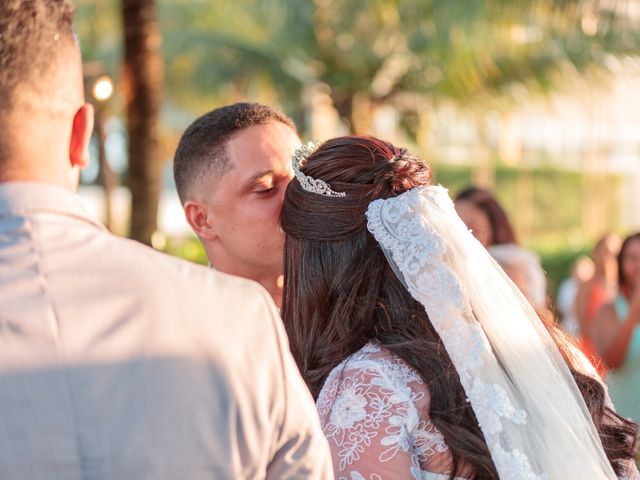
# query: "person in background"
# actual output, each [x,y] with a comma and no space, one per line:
[231,168]
[118,361]
[600,289]
[616,332]
[581,271]
[489,223]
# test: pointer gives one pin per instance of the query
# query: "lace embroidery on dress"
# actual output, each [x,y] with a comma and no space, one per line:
[374,412]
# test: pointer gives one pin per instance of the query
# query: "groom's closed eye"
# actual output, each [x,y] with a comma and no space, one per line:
[265,189]
[259,182]
[267,183]
[264,184]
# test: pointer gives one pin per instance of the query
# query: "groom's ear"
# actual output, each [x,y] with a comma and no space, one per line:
[200,220]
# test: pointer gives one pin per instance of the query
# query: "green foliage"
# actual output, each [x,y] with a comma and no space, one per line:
[466,51]
[545,205]
[99,29]
[190,249]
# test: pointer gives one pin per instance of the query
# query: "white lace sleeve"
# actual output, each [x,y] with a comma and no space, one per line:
[374,412]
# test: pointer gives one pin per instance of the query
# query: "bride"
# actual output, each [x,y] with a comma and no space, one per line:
[425,360]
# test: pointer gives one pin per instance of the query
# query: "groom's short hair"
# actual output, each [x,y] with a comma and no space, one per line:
[202,151]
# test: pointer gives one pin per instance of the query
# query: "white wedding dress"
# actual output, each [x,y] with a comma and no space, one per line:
[374,410]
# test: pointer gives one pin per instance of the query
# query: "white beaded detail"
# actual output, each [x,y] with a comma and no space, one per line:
[308,183]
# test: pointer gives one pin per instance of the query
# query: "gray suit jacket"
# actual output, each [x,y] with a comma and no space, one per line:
[119,362]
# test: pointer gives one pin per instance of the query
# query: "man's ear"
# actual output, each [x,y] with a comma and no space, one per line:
[200,220]
[81,136]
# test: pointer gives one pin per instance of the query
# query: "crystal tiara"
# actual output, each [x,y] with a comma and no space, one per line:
[308,183]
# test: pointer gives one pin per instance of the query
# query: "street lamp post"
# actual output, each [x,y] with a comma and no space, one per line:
[102,91]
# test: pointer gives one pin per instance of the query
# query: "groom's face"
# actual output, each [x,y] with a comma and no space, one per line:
[247,200]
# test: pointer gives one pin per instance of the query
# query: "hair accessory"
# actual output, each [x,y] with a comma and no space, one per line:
[308,183]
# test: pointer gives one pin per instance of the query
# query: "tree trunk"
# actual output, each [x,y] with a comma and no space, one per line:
[343,103]
[143,74]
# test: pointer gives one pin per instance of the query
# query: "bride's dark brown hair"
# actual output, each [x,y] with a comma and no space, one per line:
[340,293]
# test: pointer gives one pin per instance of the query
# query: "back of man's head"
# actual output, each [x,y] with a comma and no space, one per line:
[202,154]
[34,35]
[41,86]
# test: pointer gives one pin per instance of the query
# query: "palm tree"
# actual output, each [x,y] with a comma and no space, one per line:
[143,80]
[464,51]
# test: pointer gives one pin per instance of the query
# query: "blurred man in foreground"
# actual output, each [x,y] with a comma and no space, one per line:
[117,361]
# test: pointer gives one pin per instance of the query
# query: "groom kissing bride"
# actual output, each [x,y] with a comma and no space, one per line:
[424,359]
